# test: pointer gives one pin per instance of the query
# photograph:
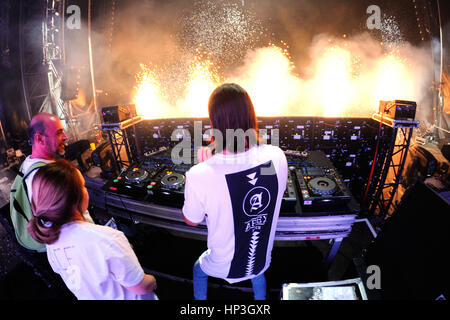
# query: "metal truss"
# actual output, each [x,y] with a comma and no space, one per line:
[391,166]
[119,135]
[119,143]
[54,58]
[52,31]
[53,53]
[62,108]
[34,87]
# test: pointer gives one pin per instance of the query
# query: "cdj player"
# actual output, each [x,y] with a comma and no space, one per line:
[313,182]
[156,178]
[319,183]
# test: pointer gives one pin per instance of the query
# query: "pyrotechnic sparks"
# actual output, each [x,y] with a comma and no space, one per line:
[203,79]
[390,31]
[224,29]
[222,43]
[333,81]
[152,101]
[149,99]
[391,79]
[268,78]
[342,83]
[284,49]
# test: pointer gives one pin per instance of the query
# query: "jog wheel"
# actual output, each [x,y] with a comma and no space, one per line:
[136,175]
[173,180]
[322,185]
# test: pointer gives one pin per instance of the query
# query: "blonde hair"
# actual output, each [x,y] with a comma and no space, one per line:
[57,197]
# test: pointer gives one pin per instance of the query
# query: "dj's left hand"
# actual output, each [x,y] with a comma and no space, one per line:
[203,154]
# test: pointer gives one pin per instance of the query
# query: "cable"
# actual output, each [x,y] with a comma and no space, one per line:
[124,208]
[373,162]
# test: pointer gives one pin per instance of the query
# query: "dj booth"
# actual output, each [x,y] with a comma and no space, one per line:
[291,226]
[317,205]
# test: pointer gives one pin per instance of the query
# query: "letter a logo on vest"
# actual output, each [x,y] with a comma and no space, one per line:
[256,201]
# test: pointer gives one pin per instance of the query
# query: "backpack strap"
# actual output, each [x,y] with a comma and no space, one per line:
[19,209]
[19,173]
[16,204]
[34,167]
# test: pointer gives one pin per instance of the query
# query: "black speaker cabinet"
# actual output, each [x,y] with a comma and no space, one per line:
[411,250]
[116,114]
[103,157]
[80,151]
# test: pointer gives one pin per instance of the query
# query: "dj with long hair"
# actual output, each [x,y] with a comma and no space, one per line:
[95,262]
[237,192]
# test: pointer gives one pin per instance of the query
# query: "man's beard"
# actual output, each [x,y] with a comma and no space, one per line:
[61,153]
[58,153]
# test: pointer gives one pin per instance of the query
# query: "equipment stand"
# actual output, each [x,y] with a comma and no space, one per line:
[392,163]
[118,137]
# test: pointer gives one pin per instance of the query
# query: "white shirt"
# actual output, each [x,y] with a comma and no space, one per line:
[27,164]
[240,198]
[96,262]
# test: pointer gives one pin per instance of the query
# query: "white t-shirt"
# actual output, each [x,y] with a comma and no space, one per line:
[239,196]
[96,262]
[27,164]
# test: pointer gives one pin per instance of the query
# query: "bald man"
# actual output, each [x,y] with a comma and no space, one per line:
[48,143]
[47,136]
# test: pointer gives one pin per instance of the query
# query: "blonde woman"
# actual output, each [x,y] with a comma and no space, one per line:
[94,261]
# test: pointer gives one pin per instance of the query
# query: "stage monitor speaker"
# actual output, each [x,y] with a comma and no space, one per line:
[411,250]
[80,151]
[103,157]
[73,150]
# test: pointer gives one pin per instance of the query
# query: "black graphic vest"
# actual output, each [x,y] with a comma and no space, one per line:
[253,196]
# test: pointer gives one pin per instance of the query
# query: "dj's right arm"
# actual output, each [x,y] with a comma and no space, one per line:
[189,222]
